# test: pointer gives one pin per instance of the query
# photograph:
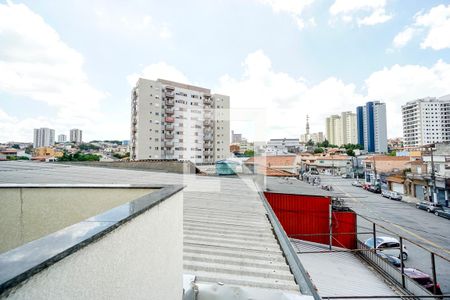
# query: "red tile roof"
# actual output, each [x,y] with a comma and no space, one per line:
[273,161]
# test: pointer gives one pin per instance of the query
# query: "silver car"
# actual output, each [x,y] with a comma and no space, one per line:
[391,195]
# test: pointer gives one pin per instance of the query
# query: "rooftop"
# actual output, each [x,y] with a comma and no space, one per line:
[228,237]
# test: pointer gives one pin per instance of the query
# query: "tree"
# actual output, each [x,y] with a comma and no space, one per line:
[324,144]
[318,150]
[249,153]
[15,146]
[310,143]
[393,153]
[350,152]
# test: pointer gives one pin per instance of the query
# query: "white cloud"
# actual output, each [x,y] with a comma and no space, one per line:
[294,8]
[365,12]
[159,70]
[436,26]
[35,63]
[398,84]
[121,19]
[287,100]
[403,38]
[437,22]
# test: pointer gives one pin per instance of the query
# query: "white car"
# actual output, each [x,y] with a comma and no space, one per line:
[357,183]
[388,245]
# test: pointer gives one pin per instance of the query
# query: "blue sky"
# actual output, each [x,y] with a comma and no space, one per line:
[66,64]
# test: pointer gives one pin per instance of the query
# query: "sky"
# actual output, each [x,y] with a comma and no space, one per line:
[72,64]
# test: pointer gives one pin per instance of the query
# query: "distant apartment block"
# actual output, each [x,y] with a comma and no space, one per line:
[371,126]
[76,136]
[43,137]
[426,121]
[171,120]
[236,137]
[341,129]
[62,138]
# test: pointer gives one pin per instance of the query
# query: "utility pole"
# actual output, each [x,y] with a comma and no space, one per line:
[433,175]
[374,168]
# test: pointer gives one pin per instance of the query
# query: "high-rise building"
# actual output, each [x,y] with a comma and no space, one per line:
[349,132]
[236,137]
[171,120]
[371,126]
[425,121]
[317,137]
[43,137]
[334,130]
[62,138]
[76,136]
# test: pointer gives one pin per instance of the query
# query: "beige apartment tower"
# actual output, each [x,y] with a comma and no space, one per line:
[171,120]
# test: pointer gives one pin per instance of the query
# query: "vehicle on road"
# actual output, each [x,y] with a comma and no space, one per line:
[429,206]
[374,189]
[388,245]
[357,183]
[391,195]
[423,279]
[345,176]
[445,212]
[395,261]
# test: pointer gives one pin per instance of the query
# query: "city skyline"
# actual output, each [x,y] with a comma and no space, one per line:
[382,50]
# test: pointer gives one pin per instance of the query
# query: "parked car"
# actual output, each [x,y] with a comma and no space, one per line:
[366,186]
[374,189]
[395,261]
[388,245]
[429,206]
[345,176]
[423,279]
[357,183]
[391,195]
[444,212]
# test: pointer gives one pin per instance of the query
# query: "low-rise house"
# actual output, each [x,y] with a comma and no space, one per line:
[441,167]
[377,166]
[288,163]
[331,164]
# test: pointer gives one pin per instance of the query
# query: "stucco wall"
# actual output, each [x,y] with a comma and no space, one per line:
[141,259]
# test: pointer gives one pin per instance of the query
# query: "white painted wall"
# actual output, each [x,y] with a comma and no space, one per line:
[142,259]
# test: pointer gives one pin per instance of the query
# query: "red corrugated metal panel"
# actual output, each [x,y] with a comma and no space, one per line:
[307,217]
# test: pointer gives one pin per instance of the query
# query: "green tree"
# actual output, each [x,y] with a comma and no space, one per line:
[310,143]
[15,146]
[350,152]
[393,153]
[249,153]
[318,150]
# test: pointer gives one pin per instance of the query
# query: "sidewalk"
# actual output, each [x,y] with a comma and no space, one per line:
[410,200]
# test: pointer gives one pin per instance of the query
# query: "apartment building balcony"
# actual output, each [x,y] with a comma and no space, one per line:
[134,121]
[169,127]
[208,153]
[207,101]
[169,95]
[170,102]
[208,137]
[169,152]
[169,111]
[208,123]
[169,136]
[169,88]
[208,116]
[208,145]
[168,144]
[207,131]
[169,120]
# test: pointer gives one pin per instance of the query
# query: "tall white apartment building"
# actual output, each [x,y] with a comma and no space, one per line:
[348,123]
[43,137]
[426,121]
[62,138]
[334,130]
[171,120]
[76,136]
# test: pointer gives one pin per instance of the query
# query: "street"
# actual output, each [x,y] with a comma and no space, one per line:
[404,219]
